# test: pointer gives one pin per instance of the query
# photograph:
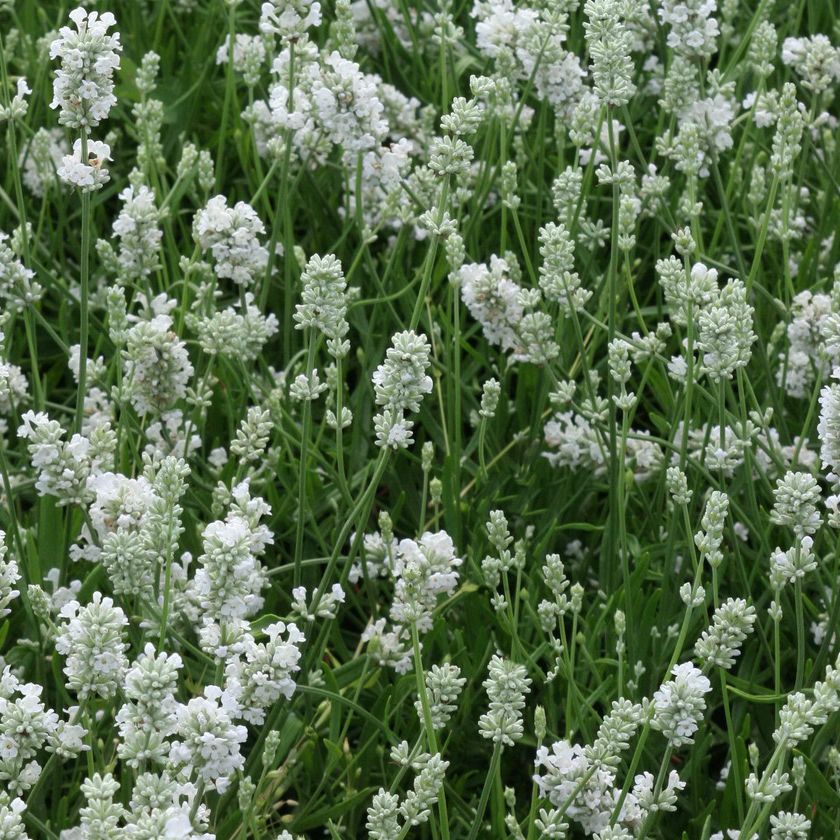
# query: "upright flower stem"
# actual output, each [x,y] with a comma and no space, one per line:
[485,790]
[83,297]
[431,738]
[431,253]
[339,428]
[800,633]
[306,422]
[14,157]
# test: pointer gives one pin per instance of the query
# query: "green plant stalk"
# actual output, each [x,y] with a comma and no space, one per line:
[640,745]
[229,94]
[730,732]
[306,424]
[629,605]
[83,299]
[800,631]
[431,253]
[457,422]
[485,791]
[612,294]
[657,789]
[339,429]
[37,388]
[431,738]
[358,516]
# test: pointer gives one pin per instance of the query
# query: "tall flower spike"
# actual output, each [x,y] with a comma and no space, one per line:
[289,20]
[137,227]
[91,638]
[828,429]
[9,576]
[324,303]
[83,88]
[795,502]
[232,234]
[725,332]
[609,43]
[400,383]
[720,644]
[208,742]
[678,704]
[506,685]
[156,365]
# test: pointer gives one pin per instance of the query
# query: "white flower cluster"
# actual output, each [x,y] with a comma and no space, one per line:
[239,331]
[569,779]
[14,390]
[230,577]
[422,570]
[231,234]
[693,30]
[814,59]
[575,440]
[324,302]
[721,643]
[9,576]
[91,637]
[679,703]
[507,312]
[17,107]
[289,20]
[63,467]
[84,85]
[28,727]
[386,809]
[138,230]
[41,159]
[400,383]
[506,685]
[531,39]
[206,739]
[807,354]
[147,718]
[259,674]
[493,298]
[156,366]
[17,283]
[87,173]
[346,104]
[249,56]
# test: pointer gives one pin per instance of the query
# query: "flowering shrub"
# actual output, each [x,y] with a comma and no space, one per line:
[419,420]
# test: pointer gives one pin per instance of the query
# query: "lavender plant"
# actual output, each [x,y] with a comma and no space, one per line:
[419,420]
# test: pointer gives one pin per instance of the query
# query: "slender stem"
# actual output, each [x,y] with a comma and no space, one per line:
[431,738]
[612,294]
[304,459]
[657,789]
[339,429]
[32,344]
[84,293]
[800,633]
[485,791]
[199,794]
[431,253]
[733,753]
[229,94]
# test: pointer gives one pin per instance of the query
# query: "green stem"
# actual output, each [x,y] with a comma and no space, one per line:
[304,459]
[800,633]
[431,738]
[431,253]
[83,298]
[485,791]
